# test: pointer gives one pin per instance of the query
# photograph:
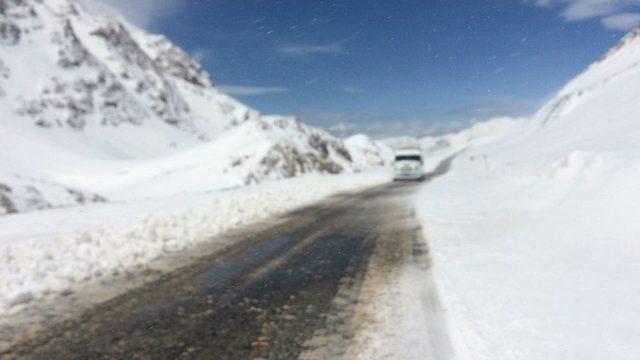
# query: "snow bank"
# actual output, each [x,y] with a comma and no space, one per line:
[535,237]
[540,264]
[110,240]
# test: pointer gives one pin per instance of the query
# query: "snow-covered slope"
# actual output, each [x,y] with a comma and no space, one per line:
[368,153]
[269,148]
[535,237]
[90,104]
[615,72]
[476,134]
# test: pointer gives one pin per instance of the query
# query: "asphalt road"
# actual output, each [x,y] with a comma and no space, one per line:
[273,294]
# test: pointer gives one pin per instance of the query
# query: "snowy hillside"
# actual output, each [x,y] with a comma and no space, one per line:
[368,153]
[536,246]
[614,72]
[269,148]
[68,70]
[476,134]
[92,105]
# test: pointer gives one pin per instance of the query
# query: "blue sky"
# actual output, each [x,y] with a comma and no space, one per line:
[390,67]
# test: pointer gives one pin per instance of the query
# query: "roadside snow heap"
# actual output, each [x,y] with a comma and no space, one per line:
[536,237]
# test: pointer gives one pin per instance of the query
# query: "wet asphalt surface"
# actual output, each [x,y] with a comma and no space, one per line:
[263,297]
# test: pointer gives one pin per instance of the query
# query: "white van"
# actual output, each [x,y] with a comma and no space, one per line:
[407,165]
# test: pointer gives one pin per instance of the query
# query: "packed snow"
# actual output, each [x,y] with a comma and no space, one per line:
[535,236]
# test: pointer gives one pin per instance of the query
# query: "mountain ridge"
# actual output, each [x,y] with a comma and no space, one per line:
[90,104]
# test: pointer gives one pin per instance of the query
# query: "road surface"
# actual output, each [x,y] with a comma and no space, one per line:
[314,285]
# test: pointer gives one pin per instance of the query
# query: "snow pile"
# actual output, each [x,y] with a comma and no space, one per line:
[367,153]
[535,237]
[107,241]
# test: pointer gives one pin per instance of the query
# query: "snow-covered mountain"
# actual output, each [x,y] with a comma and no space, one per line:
[66,68]
[92,107]
[268,148]
[539,236]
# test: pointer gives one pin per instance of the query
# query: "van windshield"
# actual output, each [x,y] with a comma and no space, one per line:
[408,157]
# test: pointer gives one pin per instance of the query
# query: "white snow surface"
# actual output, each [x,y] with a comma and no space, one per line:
[367,153]
[476,134]
[71,247]
[535,237]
